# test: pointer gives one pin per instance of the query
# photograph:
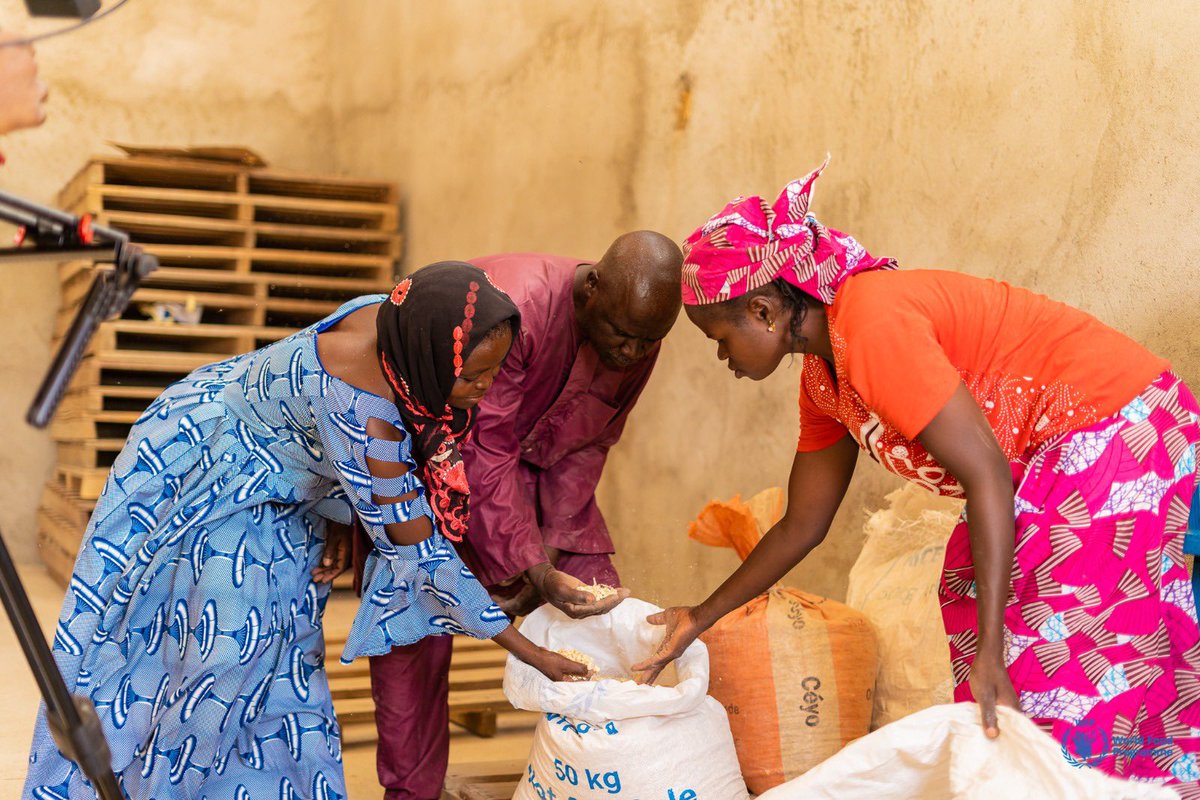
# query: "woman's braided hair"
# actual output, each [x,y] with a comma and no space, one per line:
[792,298]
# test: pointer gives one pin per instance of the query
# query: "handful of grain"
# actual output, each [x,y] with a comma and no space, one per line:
[582,658]
[599,590]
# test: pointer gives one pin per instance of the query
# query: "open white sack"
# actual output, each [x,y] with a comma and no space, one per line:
[941,753]
[608,738]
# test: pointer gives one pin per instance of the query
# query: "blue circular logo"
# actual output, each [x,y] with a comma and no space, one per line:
[1085,744]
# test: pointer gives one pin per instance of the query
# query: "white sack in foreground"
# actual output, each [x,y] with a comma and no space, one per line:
[941,753]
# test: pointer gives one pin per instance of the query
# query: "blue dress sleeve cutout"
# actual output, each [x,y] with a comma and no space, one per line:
[409,591]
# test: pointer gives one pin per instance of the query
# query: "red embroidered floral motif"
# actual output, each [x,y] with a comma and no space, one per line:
[462,333]
[1023,417]
[401,291]
[459,336]
[444,473]
[455,476]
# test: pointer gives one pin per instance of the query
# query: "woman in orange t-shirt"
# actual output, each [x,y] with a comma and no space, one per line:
[1080,614]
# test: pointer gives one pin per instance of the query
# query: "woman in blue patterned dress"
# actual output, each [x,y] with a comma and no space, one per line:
[193,617]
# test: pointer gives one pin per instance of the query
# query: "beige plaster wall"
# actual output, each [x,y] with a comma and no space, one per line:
[217,71]
[1050,144]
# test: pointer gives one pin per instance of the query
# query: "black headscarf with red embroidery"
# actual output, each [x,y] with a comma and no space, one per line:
[427,328]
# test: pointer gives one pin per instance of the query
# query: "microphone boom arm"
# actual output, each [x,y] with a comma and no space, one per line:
[49,235]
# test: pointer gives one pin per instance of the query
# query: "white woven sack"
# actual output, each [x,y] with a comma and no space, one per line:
[613,738]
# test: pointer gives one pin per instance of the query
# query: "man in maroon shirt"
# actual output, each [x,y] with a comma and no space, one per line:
[589,338]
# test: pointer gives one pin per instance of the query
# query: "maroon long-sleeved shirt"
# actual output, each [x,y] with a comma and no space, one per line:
[544,428]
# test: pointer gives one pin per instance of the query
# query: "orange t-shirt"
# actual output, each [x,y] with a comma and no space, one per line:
[903,341]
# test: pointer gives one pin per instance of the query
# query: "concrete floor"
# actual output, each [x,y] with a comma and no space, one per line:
[19,702]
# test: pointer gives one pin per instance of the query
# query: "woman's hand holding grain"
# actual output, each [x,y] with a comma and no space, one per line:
[681,630]
[558,667]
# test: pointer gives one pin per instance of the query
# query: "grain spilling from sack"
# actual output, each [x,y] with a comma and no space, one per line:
[668,677]
[580,658]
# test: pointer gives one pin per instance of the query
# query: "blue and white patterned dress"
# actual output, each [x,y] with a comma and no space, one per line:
[192,620]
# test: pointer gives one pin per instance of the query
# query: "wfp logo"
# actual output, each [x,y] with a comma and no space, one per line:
[1085,744]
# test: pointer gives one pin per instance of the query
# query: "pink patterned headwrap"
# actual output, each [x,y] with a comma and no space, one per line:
[750,243]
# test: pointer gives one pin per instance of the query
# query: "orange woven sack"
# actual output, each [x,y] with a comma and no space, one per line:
[795,672]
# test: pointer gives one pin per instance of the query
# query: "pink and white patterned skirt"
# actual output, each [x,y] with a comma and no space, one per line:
[1103,645]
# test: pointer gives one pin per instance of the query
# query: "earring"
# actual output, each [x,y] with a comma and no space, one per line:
[771,328]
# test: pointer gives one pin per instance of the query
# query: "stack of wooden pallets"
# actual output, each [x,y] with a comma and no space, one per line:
[476,696]
[263,252]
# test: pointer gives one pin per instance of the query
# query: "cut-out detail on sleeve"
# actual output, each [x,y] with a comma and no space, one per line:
[394,486]
[410,591]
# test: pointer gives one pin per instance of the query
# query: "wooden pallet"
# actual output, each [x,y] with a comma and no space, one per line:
[204,231]
[89,453]
[491,780]
[73,509]
[137,338]
[311,295]
[232,324]
[156,370]
[261,252]
[111,388]
[246,208]
[95,411]
[473,709]
[278,266]
[75,425]
[240,300]
[189,202]
[62,519]
[246,311]
[209,176]
[86,482]
[476,694]
[59,561]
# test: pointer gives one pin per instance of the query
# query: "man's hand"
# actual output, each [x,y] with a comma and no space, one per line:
[991,686]
[21,93]
[565,592]
[521,604]
[335,559]
[682,630]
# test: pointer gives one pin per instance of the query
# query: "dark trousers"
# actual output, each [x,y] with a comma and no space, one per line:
[411,689]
